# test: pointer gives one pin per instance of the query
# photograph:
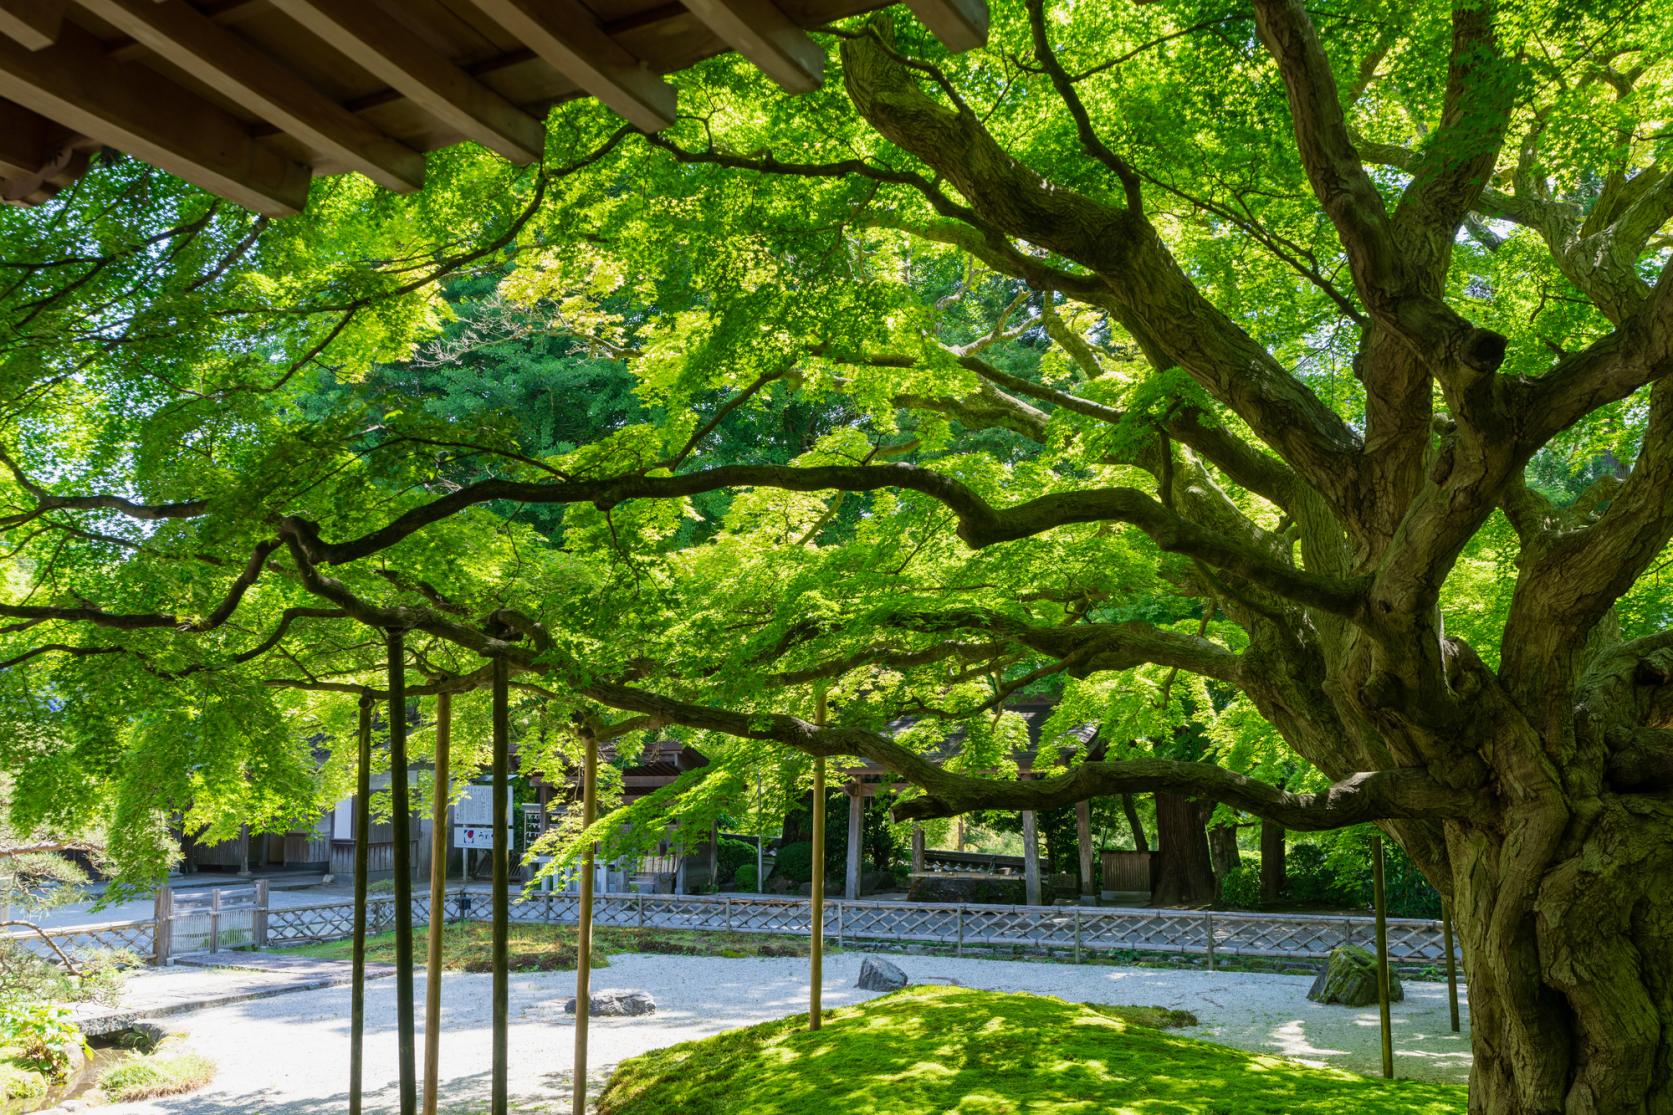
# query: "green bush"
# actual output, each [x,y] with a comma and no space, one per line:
[160,1074]
[42,1036]
[1241,887]
[732,855]
[744,877]
[795,862]
[20,1083]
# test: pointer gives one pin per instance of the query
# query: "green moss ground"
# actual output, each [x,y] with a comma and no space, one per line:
[952,1049]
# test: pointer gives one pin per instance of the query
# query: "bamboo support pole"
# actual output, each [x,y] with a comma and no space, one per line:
[501,997]
[438,902]
[1451,963]
[401,835]
[584,930]
[816,950]
[362,838]
[1381,896]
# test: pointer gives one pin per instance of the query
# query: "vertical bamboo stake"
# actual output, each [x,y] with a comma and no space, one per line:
[1451,963]
[438,902]
[502,883]
[816,972]
[584,930]
[362,838]
[1382,954]
[401,824]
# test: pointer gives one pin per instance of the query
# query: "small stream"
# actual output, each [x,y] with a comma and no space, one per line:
[106,1050]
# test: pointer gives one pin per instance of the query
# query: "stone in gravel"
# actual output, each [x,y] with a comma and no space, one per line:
[880,975]
[616,1004]
[1350,978]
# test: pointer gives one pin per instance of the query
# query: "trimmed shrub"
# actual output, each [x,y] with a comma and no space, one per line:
[744,877]
[795,863]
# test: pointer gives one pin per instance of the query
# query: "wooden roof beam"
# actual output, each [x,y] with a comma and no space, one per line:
[569,39]
[22,141]
[383,46]
[175,31]
[135,109]
[760,32]
[33,23]
[959,24]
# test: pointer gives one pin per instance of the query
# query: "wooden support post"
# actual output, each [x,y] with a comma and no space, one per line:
[362,838]
[258,919]
[501,1002]
[162,927]
[1208,935]
[438,902]
[1382,954]
[1030,859]
[816,963]
[243,851]
[917,846]
[1451,963]
[856,841]
[401,834]
[584,931]
[1083,832]
[214,919]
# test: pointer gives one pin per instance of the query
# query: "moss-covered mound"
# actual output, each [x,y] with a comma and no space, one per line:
[953,1049]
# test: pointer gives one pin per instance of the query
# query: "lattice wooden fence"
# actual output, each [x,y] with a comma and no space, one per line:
[83,940]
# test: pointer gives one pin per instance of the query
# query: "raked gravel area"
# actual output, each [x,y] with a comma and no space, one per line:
[288,1055]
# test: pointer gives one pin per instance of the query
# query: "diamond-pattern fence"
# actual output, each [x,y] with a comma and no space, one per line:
[239,921]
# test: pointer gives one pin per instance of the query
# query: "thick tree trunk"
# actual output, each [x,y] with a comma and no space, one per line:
[1182,873]
[1571,1005]
[1141,843]
[1273,882]
[1222,851]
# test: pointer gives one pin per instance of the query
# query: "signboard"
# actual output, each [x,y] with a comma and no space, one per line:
[473,818]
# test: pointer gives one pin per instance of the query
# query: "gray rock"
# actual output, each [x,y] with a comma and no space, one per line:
[880,975]
[1350,978]
[616,1004]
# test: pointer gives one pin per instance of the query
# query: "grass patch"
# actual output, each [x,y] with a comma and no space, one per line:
[468,946]
[954,1049]
[18,1081]
[158,1074]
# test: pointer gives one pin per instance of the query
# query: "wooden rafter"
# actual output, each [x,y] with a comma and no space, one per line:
[762,33]
[959,24]
[227,63]
[570,40]
[386,48]
[139,111]
[32,23]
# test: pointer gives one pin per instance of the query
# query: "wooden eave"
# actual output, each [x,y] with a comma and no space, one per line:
[250,99]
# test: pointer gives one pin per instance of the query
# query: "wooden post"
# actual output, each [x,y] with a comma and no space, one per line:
[162,927]
[244,851]
[856,840]
[584,931]
[1451,963]
[1382,954]
[401,824]
[1083,831]
[214,919]
[816,951]
[1208,933]
[438,902]
[258,919]
[362,838]
[917,847]
[1030,859]
[501,1001]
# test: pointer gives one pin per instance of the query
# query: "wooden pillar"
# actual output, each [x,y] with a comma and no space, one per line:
[584,930]
[1381,896]
[856,840]
[244,851]
[401,824]
[1451,963]
[917,846]
[500,995]
[1030,859]
[362,839]
[258,918]
[162,925]
[816,913]
[1083,831]
[438,902]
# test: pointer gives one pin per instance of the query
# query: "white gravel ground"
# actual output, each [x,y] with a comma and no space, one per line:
[289,1055]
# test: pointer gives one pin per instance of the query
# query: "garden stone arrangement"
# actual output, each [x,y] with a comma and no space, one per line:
[1349,977]
[880,975]
[616,1004]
